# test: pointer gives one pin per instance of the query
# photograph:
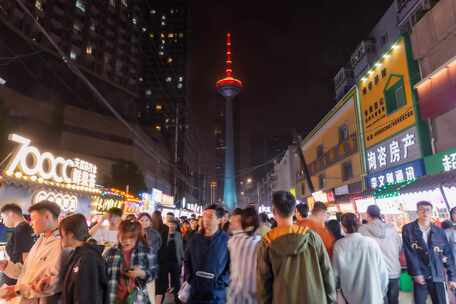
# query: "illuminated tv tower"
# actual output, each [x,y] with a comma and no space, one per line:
[229,87]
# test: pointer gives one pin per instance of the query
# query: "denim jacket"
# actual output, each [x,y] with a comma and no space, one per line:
[428,260]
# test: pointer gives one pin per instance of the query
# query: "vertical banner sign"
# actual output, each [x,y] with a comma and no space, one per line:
[386,96]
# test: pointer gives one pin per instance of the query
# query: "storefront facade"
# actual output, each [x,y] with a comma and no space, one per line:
[31,176]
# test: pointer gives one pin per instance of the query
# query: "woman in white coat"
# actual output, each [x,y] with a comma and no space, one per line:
[361,272]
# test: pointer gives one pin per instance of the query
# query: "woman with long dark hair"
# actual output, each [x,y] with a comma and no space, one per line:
[85,279]
[334,227]
[243,258]
[175,257]
[131,264]
[359,266]
[152,236]
[161,284]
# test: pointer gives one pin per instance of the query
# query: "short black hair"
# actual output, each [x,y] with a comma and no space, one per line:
[115,211]
[423,203]
[303,210]
[263,217]
[319,207]
[219,211]
[284,203]
[11,208]
[52,207]
[76,224]
[237,211]
[350,222]
[170,213]
[374,211]
[250,220]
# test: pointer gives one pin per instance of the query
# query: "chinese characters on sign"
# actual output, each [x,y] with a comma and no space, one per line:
[84,173]
[449,162]
[400,149]
[406,172]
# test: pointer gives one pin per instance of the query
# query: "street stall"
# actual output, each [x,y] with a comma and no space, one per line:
[32,176]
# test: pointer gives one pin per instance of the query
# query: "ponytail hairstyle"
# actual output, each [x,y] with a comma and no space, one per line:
[350,222]
[134,229]
[76,224]
[250,220]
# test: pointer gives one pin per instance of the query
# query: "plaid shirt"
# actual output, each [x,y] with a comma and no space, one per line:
[143,257]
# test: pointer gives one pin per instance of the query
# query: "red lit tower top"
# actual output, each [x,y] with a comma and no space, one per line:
[229,86]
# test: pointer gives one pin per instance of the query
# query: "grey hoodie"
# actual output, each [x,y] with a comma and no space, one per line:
[390,244]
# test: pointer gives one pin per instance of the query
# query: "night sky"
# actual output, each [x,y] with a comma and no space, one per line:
[286,54]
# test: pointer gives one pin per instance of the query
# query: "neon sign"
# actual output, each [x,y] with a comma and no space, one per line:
[66,202]
[29,161]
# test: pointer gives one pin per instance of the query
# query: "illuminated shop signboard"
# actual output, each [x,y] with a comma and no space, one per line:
[441,162]
[30,163]
[401,148]
[396,175]
[102,203]
[66,202]
[163,199]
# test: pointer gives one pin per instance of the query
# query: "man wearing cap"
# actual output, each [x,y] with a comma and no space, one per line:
[390,244]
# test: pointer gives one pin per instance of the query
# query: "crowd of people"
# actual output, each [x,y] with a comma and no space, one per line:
[298,256]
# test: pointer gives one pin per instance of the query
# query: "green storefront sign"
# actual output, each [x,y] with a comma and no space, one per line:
[441,162]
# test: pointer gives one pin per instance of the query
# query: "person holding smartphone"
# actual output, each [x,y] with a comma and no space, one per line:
[130,265]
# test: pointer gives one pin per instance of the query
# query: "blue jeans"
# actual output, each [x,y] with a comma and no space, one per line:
[435,289]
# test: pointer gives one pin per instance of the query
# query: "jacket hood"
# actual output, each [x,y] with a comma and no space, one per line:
[376,229]
[288,241]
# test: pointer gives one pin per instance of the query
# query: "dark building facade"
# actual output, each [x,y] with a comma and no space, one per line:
[132,51]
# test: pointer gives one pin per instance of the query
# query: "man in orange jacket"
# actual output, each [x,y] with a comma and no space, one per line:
[316,222]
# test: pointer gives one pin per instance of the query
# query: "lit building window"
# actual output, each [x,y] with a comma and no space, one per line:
[39,5]
[172,11]
[163,23]
[162,47]
[92,27]
[181,78]
[170,59]
[179,85]
[144,29]
[80,5]
[161,53]
[170,35]
[140,79]
[163,41]
[158,128]
[158,107]
[162,35]
[133,20]
[89,50]
[163,17]
[148,92]
[153,12]
[76,26]
[181,35]
[112,3]
[168,79]
[73,55]
[151,35]
[124,3]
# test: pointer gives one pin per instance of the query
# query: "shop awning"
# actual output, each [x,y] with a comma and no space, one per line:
[431,182]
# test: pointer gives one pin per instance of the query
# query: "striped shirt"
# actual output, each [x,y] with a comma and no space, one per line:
[243,259]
